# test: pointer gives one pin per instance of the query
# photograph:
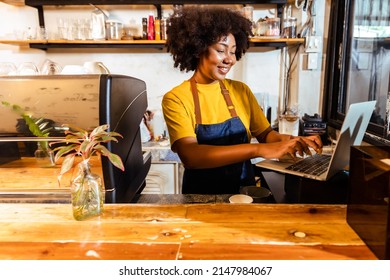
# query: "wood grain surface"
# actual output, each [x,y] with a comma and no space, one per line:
[185,231]
[25,173]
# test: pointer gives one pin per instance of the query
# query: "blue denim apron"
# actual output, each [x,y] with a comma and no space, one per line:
[225,179]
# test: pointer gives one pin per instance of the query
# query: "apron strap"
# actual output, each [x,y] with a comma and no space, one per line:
[228,100]
[194,90]
[225,94]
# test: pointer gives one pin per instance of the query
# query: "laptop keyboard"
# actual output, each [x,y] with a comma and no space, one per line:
[314,165]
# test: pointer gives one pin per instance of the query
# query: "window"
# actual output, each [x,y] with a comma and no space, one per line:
[358,63]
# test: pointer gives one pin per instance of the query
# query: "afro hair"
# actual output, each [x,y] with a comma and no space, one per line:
[191,30]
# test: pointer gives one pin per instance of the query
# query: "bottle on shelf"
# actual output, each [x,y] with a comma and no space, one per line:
[151,27]
[164,25]
[144,28]
[157,29]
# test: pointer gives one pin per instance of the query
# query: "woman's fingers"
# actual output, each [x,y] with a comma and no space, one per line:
[300,145]
[305,147]
[313,142]
[316,143]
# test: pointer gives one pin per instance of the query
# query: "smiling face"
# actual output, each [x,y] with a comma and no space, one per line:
[217,61]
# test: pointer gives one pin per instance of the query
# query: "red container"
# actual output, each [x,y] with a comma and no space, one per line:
[151,28]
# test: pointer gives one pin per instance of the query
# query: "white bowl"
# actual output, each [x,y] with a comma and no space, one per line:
[73,69]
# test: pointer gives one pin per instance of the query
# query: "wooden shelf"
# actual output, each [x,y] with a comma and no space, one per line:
[275,42]
[51,44]
[14,2]
[143,2]
[160,44]
[37,3]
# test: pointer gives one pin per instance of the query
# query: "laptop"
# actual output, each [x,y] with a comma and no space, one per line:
[351,134]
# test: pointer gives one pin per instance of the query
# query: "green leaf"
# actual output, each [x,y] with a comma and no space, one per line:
[63,150]
[44,145]
[85,147]
[99,130]
[37,126]
[80,142]
[71,140]
[66,166]
[116,161]
[106,139]
[113,158]
[116,134]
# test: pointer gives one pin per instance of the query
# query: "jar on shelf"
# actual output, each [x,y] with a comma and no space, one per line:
[247,12]
[114,30]
[273,27]
[290,27]
[261,27]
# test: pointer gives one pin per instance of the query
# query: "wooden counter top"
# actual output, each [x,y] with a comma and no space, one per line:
[26,174]
[183,232]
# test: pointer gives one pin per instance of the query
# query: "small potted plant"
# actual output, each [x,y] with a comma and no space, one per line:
[87,191]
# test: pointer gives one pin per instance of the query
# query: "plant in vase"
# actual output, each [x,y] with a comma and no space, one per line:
[87,191]
[39,127]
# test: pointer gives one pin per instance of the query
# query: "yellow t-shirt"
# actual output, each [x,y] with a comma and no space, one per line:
[179,111]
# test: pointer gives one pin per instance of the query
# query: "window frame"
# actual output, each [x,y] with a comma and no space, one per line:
[337,71]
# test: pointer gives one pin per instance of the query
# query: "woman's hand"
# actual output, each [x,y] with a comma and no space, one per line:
[313,141]
[195,156]
[294,146]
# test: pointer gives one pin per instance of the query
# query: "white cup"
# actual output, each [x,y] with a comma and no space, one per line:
[289,124]
[240,198]
[96,67]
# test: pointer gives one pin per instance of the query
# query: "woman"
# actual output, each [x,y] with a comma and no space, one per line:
[211,119]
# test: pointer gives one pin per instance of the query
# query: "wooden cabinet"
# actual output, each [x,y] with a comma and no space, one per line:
[164,178]
[166,172]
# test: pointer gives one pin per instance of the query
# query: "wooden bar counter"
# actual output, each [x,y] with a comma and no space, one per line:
[180,232]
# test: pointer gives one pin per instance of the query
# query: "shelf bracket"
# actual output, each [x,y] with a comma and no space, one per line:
[41,18]
[159,13]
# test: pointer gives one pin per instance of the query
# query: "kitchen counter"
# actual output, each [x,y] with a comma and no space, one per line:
[180,232]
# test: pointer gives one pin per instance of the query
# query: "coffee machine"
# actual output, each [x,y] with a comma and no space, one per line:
[84,101]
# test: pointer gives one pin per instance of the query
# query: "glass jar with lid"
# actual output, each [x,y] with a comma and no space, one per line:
[114,29]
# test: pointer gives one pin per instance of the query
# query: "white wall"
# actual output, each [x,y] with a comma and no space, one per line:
[260,68]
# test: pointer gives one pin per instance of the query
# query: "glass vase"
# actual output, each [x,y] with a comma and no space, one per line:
[87,193]
[44,155]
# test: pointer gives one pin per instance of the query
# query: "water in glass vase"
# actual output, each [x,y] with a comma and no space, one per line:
[87,193]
